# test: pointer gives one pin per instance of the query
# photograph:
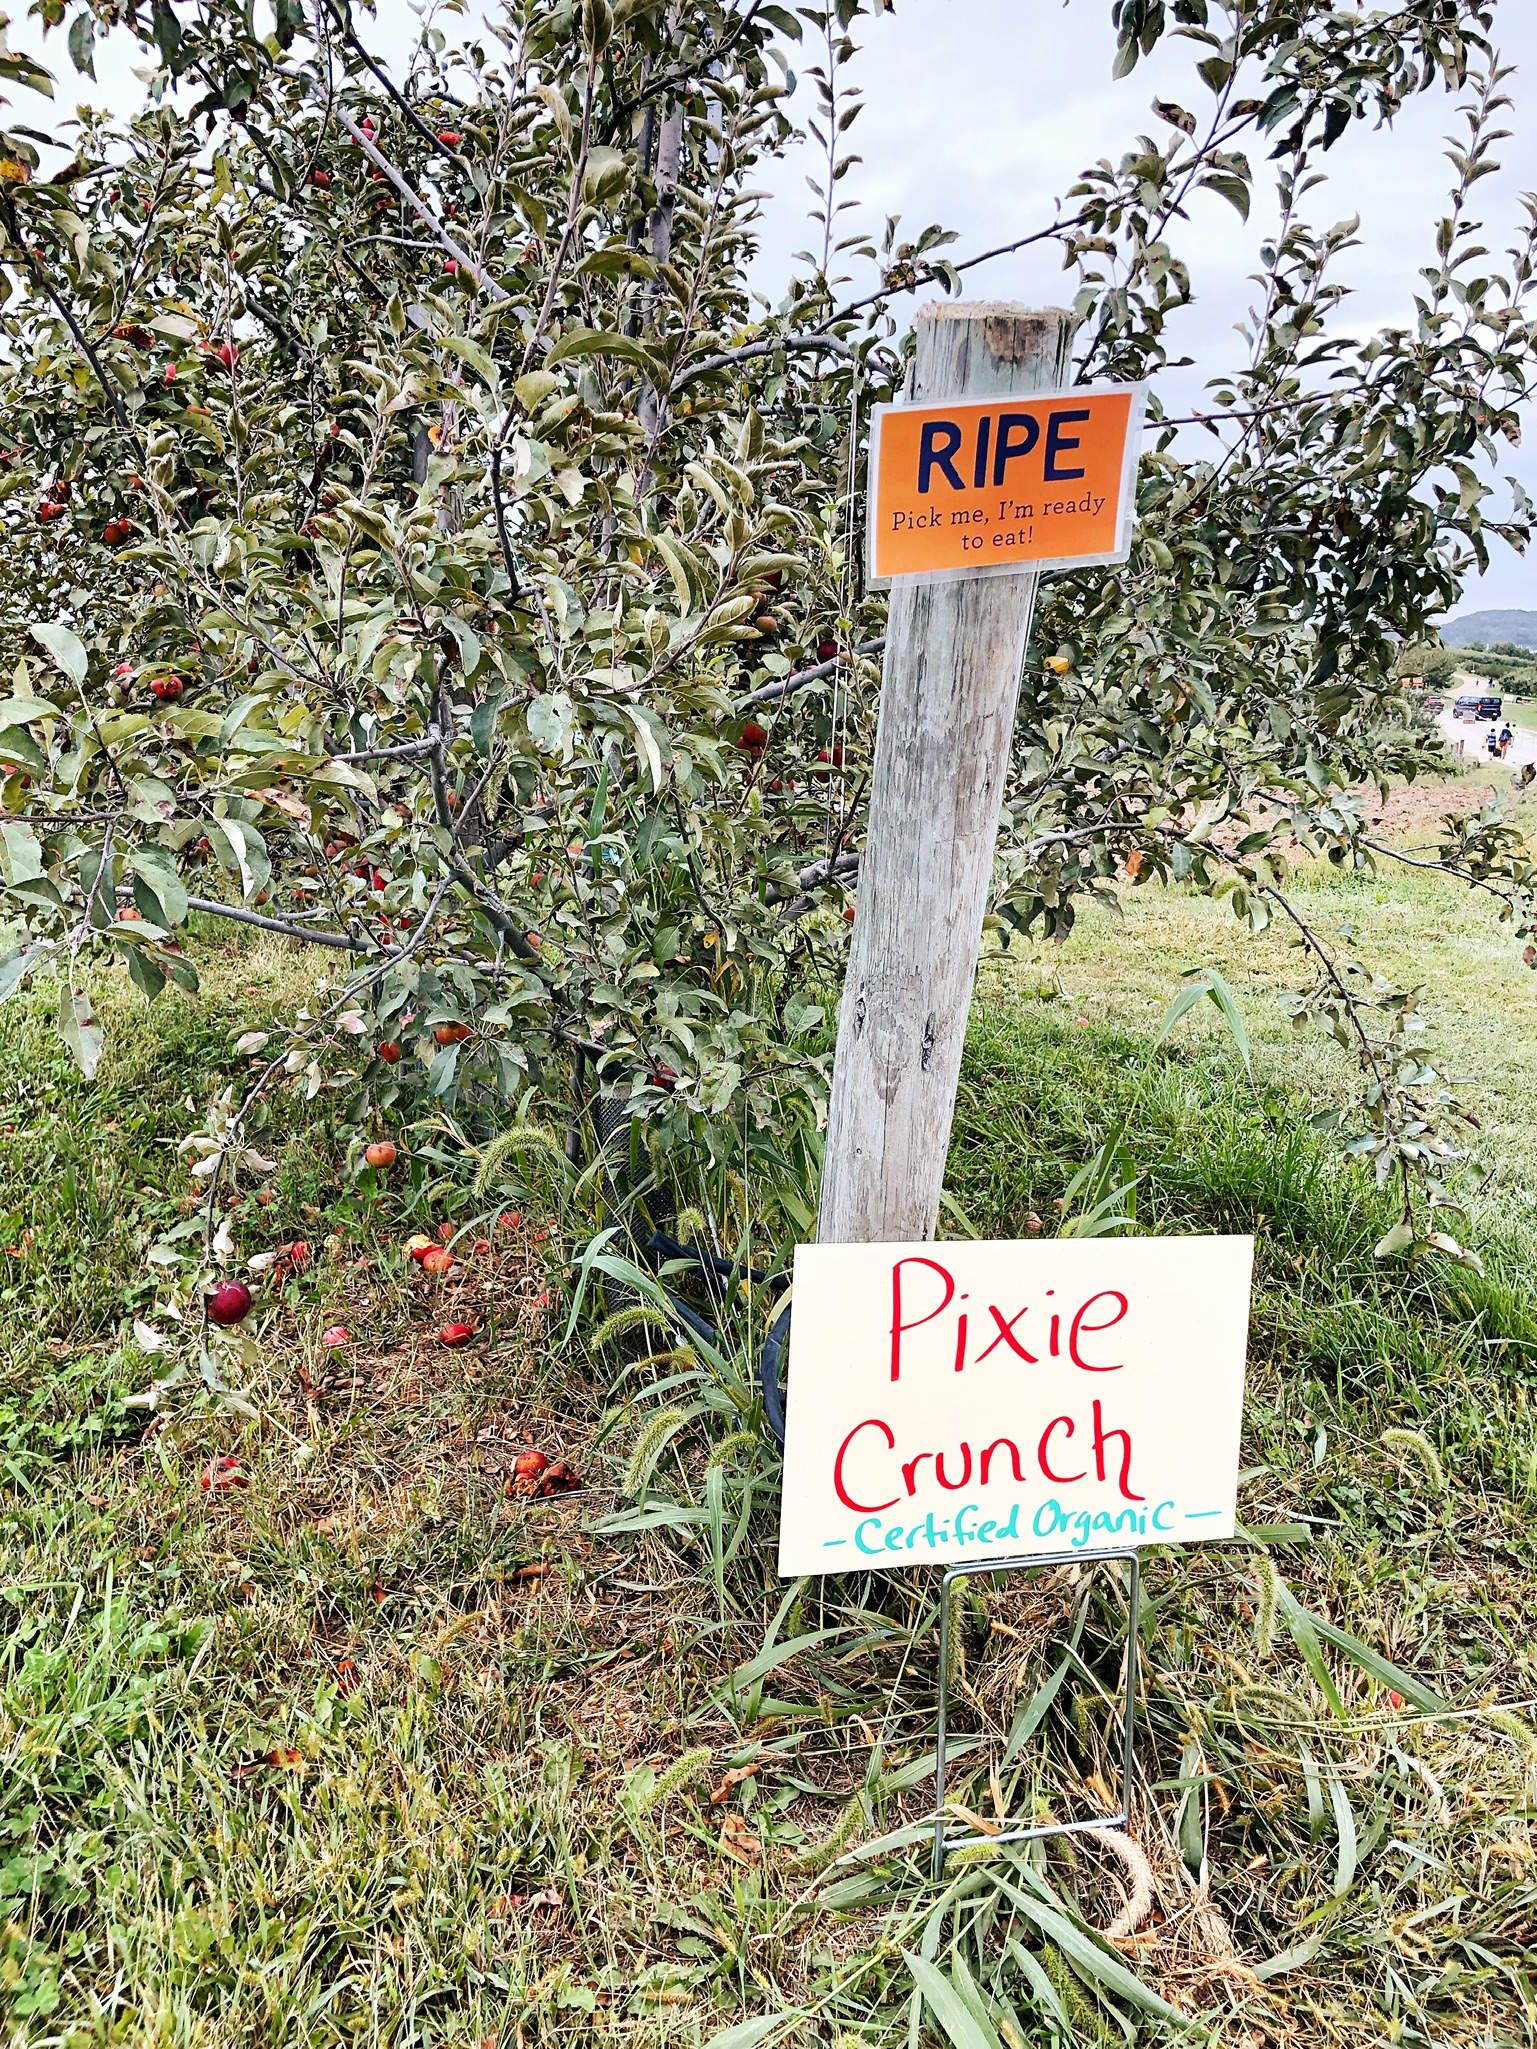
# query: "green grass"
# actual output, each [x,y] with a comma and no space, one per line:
[497,1724]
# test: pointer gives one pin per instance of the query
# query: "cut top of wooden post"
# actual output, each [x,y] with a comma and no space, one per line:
[980,347]
[949,690]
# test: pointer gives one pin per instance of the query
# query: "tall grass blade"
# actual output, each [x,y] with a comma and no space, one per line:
[1209,982]
[948,2007]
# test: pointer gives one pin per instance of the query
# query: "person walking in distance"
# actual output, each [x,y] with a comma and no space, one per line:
[1506,736]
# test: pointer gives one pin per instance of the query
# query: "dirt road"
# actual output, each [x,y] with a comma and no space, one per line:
[1470,742]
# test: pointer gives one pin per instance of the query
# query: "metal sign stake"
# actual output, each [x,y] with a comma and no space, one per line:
[943,1843]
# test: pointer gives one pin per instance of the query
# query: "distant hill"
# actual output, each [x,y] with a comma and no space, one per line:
[1491,628]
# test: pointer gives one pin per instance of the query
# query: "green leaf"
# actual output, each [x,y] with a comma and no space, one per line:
[79,1029]
[82,36]
[1290,1959]
[551,718]
[1098,1963]
[748,2034]
[1209,982]
[775,1655]
[21,853]
[145,973]
[680,567]
[242,850]
[16,967]
[159,872]
[534,388]
[1377,1667]
[473,354]
[1031,1716]
[948,2007]
[24,70]
[1047,1997]
[592,341]
[1305,1635]
[17,744]
[1345,1824]
[65,648]
[1232,189]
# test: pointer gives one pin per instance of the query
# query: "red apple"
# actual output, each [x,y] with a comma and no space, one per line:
[455,1334]
[229,1303]
[381,1154]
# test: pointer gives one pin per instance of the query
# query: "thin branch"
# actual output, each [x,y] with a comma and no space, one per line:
[685,74]
[504,539]
[404,752]
[418,206]
[344,22]
[822,343]
[288,928]
[769,693]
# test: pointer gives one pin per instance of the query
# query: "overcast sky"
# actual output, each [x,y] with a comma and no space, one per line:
[979,113]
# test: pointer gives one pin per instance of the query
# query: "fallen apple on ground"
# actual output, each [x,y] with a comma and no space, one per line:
[230,1303]
[381,1153]
[534,1475]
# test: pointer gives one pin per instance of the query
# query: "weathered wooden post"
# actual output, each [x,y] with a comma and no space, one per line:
[955,652]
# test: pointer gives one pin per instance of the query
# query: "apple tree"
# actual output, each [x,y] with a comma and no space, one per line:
[423,545]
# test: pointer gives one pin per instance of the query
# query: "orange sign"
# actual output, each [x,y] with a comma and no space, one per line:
[979,487]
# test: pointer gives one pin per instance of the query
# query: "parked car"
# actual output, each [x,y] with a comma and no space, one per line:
[1476,708]
[1434,704]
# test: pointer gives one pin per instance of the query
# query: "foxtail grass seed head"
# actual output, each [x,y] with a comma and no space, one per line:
[517,1141]
[1419,1446]
[1268,1580]
[739,1440]
[816,1856]
[648,1449]
[683,1771]
[1516,1727]
[637,1316]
